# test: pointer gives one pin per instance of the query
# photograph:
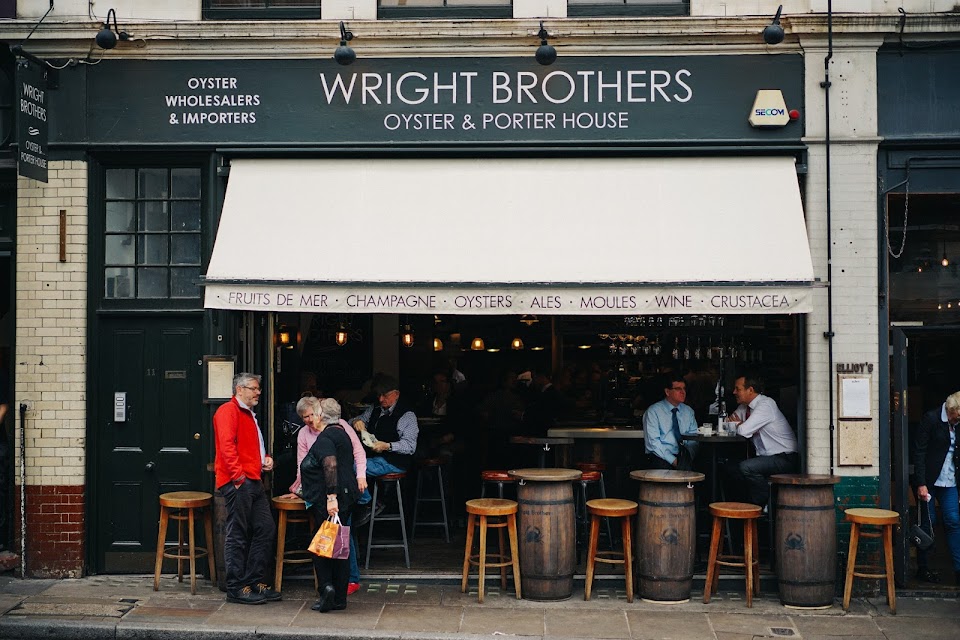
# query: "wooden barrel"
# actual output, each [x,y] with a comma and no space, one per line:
[219,535]
[547,530]
[666,534]
[805,540]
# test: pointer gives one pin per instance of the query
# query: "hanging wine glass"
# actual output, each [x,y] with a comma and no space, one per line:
[697,352]
[655,349]
[686,349]
[676,349]
[710,348]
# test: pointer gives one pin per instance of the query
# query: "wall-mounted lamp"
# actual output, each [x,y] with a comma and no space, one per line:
[536,348]
[406,336]
[340,337]
[944,262]
[477,344]
[285,337]
[344,54]
[516,344]
[437,344]
[546,53]
[773,32]
[107,36]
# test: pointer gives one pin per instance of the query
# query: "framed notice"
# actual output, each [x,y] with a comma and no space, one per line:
[218,372]
[854,398]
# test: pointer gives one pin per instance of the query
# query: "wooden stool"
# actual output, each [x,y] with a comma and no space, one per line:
[290,511]
[886,520]
[487,508]
[388,517]
[426,466]
[610,508]
[749,513]
[589,476]
[498,477]
[172,505]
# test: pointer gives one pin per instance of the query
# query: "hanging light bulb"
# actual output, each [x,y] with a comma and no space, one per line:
[944,262]
[939,307]
[340,337]
[516,344]
[919,269]
[477,344]
[406,337]
[437,344]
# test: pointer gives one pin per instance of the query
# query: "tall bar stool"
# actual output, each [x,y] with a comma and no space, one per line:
[610,508]
[182,507]
[886,521]
[491,508]
[589,479]
[748,513]
[497,477]
[290,511]
[432,466]
[384,516]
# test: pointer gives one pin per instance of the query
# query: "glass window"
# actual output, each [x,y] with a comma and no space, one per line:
[925,278]
[586,8]
[260,9]
[152,233]
[388,9]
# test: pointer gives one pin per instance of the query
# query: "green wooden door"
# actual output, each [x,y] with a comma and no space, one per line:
[160,445]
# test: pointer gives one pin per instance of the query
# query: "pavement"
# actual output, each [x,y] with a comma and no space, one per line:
[126,607]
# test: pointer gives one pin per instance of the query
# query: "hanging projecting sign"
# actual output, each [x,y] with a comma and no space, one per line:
[32,113]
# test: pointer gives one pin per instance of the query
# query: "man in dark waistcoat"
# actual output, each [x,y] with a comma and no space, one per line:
[388,431]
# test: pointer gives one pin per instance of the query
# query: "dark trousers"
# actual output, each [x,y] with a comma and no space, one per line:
[249,535]
[332,572]
[684,461]
[750,475]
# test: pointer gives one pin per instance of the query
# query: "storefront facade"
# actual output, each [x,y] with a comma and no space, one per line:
[249,156]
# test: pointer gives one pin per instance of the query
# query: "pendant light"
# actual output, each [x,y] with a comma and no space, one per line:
[406,336]
[477,344]
[340,337]
[516,344]
[437,344]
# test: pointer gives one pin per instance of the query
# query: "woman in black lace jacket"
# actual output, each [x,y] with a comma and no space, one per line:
[330,487]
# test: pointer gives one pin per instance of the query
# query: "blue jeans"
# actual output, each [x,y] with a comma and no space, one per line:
[377,466]
[946,497]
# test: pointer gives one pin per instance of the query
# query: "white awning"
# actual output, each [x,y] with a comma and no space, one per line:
[595,236]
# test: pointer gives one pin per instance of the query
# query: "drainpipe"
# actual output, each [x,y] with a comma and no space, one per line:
[23,490]
[829,334]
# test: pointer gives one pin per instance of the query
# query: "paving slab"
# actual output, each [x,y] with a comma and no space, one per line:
[669,625]
[276,614]
[355,616]
[493,621]
[9,601]
[748,623]
[910,628]
[848,625]
[586,623]
[437,619]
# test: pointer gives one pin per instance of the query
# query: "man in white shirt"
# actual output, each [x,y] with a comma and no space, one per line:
[759,418]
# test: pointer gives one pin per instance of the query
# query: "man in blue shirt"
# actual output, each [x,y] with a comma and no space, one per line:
[664,423]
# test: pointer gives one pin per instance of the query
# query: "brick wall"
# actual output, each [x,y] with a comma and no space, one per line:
[55,531]
[51,365]
[853,158]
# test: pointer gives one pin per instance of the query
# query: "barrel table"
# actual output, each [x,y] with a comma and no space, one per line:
[666,534]
[547,532]
[805,539]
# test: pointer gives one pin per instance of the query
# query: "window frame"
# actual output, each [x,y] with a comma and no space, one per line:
[253,13]
[98,231]
[613,9]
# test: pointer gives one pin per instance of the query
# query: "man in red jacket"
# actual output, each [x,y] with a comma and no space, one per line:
[240,460]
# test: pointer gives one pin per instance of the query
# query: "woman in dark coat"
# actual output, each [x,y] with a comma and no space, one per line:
[330,487]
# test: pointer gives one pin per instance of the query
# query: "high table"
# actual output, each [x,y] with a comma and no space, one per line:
[542,443]
[666,534]
[806,539]
[547,531]
[712,444]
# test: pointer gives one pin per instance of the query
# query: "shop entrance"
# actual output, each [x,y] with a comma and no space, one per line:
[922,363]
[150,435]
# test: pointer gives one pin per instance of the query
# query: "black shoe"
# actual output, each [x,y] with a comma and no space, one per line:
[325,602]
[268,592]
[925,575]
[245,596]
[339,607]
[362,516]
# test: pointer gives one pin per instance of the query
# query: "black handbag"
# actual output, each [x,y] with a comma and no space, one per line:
[918,535]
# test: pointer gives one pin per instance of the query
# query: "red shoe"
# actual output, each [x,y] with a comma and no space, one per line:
[352,588]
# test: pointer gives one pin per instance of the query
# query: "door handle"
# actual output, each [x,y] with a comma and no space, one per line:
[150,466]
